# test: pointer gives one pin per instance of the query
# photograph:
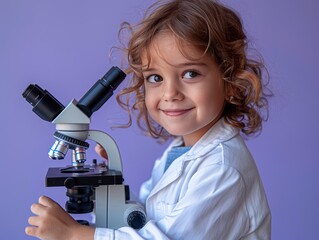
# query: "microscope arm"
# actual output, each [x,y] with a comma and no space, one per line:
[111,206]
[110,146]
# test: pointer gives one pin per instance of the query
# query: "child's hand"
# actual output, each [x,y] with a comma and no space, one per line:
[52,222]
[101,151]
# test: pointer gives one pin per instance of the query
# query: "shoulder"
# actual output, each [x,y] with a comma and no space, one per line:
[220,144]
[224,145]
[231,156]
[223,151]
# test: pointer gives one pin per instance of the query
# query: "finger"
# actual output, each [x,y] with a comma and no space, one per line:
[46,201]
[101,151]
[34,220]
[31,231]
[37,208]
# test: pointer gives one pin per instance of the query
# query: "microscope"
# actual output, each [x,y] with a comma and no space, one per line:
[98,186]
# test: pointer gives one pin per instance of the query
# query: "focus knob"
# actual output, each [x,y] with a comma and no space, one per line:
[69,183]
[135,217]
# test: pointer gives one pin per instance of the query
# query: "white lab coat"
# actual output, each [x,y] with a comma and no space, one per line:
[211,192]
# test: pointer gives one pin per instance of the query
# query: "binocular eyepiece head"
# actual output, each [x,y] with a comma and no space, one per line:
[47,107]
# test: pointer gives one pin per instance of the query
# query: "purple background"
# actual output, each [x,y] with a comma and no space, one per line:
[63,47]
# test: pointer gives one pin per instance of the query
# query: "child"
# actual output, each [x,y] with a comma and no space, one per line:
[193,82]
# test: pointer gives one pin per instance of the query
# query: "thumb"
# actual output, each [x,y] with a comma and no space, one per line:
[101,151]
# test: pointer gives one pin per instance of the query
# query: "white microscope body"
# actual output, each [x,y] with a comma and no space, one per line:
[95,186]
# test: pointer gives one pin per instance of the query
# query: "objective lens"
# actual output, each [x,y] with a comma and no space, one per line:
[58,150]
[79,156]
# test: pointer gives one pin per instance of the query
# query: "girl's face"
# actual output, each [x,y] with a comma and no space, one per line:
[184,96]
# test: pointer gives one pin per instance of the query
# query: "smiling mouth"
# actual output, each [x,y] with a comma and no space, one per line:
[176,113]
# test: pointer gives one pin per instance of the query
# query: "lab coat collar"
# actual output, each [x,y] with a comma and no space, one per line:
[220,132]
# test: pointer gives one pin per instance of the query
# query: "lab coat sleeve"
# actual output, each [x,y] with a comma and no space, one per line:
[212,207]
[149,231]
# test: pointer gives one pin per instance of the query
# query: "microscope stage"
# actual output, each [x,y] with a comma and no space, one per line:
[92,177]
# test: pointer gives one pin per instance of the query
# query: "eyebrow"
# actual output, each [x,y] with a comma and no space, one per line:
[186,64]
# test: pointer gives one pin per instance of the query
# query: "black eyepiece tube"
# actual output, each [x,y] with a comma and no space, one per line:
[44,104]
[101,91]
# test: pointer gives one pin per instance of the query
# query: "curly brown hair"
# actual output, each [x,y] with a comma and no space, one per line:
[218,31]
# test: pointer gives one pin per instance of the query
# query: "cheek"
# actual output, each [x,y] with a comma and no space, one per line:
[212,98]
[150,103]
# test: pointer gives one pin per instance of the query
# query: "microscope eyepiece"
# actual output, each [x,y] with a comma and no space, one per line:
[101,91]
[44,104]
[113,78]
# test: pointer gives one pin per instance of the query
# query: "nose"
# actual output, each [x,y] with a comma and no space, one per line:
[172,90]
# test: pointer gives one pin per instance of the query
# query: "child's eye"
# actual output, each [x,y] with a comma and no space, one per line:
[190,74]
[154,78]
